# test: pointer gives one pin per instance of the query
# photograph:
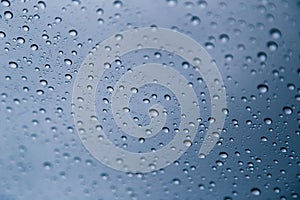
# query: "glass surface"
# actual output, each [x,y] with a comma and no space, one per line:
[255,46]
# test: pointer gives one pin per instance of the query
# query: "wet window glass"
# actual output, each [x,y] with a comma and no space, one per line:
[163,99]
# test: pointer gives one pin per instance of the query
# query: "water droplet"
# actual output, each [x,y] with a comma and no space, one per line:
[172,3]
[134,90]
[166,129]
[225,111]
[264,139]
[167,97]
[8,15]
[100,11]
[287,110]
[118,4]
[176,181]
[255,191]
[42,4]
[202,156]
[13,65]
[224,38]
[34,47]
[5,3]
[73,32]
[275,33]
[262,88]
[195,20]
[202,4]
[68,76]
[262,56]
[146,101]
[141,140]
[291,86]
[153,113]
[223,154]
[273,46]
[43,82]
[2,34]
[268,121]
[47,165]
[187,143]
[126,109]
[68,62]
[21,40]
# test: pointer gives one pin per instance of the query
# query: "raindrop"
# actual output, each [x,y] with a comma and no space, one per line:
[100,11]
[268,121]
[264,139]
[153,113]
[262,56]
[187,143]
[202,156]
[8,15]
[172,3]
[68,62]
[118,4]
[73,32]
[224,38]
[13,65]
[195,20]
[47,165]
[262,88]
[287,110]
[167,97]
[275,33]
[42,4]
[141,140]
[43,82]
[273,46]
[255,191]
[146,101]
[34,47]
[223,154]
[5,3]
[68,76]
[21,40]
[176,181]
[2,34]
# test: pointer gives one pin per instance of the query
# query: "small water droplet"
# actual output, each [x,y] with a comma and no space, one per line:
[187,143]
[13,65]
[141,140]
[262,88]
[68,76]
[273,46]
[73,32]
[176,181]
[223,154]
[275,33]
[47,165]
[287,110]
[34,47]
[195,20]
[268,121]
[118,4]
[255,191]
[153,113]
[8,15]
[172,3]
[5,3]
[2,34]
[68,62]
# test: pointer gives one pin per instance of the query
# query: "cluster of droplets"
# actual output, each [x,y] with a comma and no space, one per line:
[50,37]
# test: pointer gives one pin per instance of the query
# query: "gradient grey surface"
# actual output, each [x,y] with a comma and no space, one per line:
[255,46]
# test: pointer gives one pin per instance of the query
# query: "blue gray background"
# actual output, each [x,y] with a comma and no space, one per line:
[256,47]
